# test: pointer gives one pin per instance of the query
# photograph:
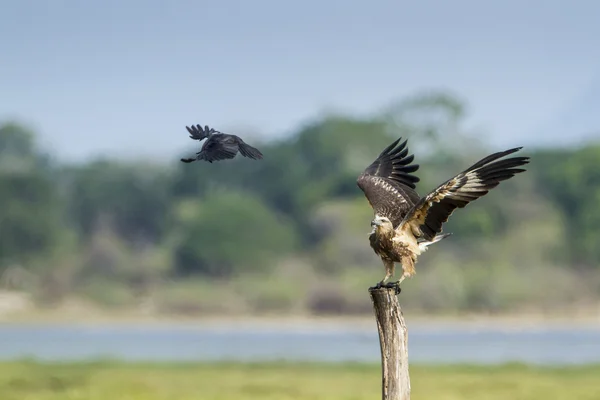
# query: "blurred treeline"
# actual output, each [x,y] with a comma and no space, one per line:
[289,233]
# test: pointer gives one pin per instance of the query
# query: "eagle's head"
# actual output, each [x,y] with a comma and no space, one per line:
[382,224]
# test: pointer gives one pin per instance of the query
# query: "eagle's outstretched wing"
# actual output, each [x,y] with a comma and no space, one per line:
[433,210]
[388,184]
[197,133]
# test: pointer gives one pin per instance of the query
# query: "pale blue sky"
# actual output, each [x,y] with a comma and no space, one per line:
[125,77]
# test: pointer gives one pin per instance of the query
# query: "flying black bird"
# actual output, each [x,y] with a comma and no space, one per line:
[219,145]
[405,223]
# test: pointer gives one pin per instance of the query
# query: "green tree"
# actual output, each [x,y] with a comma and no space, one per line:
[571,178]
[30,206]
[134,198]
[227,233]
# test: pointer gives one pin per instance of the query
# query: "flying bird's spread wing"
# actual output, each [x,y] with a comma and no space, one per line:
[248,151]
[388,184]
[433,210]
[218,147]
[197,133]
[222,146]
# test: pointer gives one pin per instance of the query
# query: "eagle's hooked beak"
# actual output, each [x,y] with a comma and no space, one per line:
[375,223]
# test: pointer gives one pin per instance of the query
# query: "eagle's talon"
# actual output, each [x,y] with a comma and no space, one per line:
[388,285]
[394,285]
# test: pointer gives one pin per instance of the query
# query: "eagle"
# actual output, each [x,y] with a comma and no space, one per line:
[405,224]
[219,145]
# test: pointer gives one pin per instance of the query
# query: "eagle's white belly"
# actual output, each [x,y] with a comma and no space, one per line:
[404,237]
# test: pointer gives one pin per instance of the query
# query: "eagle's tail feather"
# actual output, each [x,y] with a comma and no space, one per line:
[439,237]
[424,244]
[251,152]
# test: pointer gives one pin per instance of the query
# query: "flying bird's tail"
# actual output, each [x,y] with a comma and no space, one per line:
[248,151]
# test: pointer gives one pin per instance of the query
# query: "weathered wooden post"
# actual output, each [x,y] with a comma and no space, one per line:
[393,341]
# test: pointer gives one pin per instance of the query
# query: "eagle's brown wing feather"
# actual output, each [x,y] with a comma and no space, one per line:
[388,184]
[433,210]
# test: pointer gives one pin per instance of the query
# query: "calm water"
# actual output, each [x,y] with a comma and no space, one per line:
[435,344]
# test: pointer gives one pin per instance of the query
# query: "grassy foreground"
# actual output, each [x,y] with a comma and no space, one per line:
[115,381]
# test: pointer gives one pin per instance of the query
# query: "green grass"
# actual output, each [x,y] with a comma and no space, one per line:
[24,380]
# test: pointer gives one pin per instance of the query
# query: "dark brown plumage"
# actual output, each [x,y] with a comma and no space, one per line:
[219,146]
[388,183]
[433,210]
[405,224]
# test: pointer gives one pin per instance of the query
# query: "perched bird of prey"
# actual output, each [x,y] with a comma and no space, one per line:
[405,223]
[219,145]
